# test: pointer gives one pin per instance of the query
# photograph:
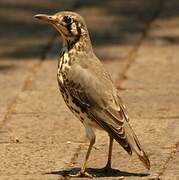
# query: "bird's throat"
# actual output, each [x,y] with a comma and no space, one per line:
[79,44]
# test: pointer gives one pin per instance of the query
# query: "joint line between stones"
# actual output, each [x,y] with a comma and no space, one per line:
[170,158]
[133,54]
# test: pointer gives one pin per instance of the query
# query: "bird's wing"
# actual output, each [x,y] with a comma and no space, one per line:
[98,101]
[97,98]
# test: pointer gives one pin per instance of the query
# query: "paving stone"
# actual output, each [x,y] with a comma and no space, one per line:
[13,75]
[151,103]
[32,158]
[153,70]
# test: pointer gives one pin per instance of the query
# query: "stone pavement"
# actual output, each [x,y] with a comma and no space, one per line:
[138,43]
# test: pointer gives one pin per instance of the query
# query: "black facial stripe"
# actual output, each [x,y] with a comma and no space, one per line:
[76,34]
[69,27]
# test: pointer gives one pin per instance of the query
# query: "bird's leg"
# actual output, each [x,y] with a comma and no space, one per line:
[91,136]
[83,167]
[108,165]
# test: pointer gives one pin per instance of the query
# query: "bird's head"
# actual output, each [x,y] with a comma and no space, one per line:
[70,25]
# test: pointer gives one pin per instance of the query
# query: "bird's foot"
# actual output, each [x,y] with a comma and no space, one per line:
[81,174]
[106,169]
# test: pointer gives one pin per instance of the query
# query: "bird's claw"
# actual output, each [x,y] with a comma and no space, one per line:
[81,174]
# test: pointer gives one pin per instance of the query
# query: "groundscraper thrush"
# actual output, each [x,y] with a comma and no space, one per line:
[88,89]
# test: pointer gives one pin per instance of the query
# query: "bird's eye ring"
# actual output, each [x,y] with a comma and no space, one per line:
[67,19]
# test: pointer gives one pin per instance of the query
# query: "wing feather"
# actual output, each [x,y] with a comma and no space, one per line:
[99,105]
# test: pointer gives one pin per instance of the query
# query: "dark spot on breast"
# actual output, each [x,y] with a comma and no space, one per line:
[66,94]
[66,100]
[72,109]
[77,111]
[82,118]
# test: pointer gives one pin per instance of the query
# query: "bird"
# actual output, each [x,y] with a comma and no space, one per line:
[88,89]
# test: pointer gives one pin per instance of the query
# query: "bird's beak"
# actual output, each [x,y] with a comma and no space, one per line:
[53,20]
[48,18]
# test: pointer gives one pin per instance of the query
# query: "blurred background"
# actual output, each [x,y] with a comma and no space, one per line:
[116,28]
[111,24]
[137,41]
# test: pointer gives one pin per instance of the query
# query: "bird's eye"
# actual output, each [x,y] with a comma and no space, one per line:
[67,19]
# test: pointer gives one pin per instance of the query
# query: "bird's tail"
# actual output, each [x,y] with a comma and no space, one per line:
[136,146]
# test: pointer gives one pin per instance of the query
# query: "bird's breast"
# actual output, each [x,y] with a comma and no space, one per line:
[63,68]
[64,63]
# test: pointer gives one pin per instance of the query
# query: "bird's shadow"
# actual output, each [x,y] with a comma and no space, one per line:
[96,172]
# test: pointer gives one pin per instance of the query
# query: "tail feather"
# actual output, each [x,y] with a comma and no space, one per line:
[136,146]
[144,159]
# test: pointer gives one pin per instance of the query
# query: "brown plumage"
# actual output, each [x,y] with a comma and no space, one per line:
[88,89]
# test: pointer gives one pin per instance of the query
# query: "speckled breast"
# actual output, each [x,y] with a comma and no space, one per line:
[63,69]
